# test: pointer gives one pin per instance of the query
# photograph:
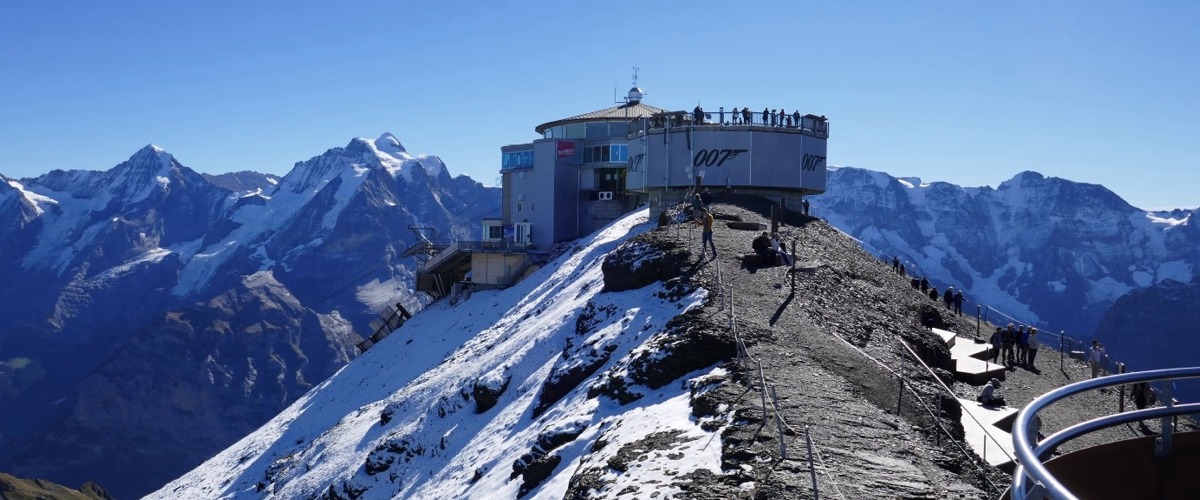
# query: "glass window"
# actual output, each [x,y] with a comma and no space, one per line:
[574,131]
[618,129]
[597,130]
[520,206]
[604,153]
[495,232]
[587,155]
[620,153]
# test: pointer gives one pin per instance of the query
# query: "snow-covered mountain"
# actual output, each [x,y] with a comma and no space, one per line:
[417,415]
[148,304]
[1043,250]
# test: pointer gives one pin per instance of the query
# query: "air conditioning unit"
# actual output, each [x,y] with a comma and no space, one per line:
[606,195]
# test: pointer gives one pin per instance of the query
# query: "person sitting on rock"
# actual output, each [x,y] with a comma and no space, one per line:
[988,396]
[933,294]
[762,247]
[780,249]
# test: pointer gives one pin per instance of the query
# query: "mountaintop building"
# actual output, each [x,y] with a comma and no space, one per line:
[586,170]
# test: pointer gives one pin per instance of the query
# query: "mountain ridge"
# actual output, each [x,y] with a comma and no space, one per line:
[136,259]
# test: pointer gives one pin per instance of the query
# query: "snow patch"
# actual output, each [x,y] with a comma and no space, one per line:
[34,199]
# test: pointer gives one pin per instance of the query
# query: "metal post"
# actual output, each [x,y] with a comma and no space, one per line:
[762,380]
[793,266]
[1121,401]
[900,396]
[1162,446]
[812,469]
[778,424]
[1061,343]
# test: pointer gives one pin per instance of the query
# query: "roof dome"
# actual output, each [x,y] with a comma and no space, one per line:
[635,95]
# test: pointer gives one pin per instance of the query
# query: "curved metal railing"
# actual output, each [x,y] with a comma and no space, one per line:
[1033,480]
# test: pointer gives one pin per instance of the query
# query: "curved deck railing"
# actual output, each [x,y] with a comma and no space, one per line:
[1033,480]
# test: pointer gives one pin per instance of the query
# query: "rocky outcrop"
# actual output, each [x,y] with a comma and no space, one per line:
[14,488]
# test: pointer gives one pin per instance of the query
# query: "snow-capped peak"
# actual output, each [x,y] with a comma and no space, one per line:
[388,144]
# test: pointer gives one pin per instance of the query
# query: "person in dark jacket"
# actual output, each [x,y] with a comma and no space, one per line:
[895,264]
[933,294]
[706,197]
[762,247]
[996,342]
[924,285]
[948,298]
[1008,338]
[766,116]
[958,300]
[746,118]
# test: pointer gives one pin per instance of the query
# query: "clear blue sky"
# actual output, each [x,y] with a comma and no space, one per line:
[965,92]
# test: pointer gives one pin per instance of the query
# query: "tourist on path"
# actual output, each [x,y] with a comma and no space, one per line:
[706,220]
[1096,358]
[996,341]
[988,396]
[1008,338]
[958,300]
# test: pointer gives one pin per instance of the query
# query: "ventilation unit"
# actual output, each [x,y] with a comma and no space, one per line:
[606,195]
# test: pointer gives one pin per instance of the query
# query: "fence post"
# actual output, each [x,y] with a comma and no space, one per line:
[778,424]
[812,469]
[1062,340]
[762,381]
[900,396]
[1121,402]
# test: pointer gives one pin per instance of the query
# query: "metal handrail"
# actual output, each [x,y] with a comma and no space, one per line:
[1024,434]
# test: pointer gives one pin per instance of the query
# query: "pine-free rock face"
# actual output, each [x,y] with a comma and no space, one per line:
[154,315]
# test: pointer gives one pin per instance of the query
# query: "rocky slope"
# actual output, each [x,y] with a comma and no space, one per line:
[172,315]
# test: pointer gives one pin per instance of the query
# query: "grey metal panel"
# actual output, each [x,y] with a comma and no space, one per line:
[739,158]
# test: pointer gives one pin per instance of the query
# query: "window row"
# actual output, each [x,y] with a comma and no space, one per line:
[590,130]
[517,159]
[608,153]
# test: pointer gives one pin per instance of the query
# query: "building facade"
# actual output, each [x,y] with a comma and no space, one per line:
[587,170]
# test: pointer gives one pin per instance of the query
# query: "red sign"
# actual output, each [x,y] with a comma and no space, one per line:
[566,149]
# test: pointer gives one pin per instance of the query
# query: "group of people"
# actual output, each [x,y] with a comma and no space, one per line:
[769,248]
[771,117]
[1017,345]
[952,298]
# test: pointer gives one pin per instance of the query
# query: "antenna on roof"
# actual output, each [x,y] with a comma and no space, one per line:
[635,94]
